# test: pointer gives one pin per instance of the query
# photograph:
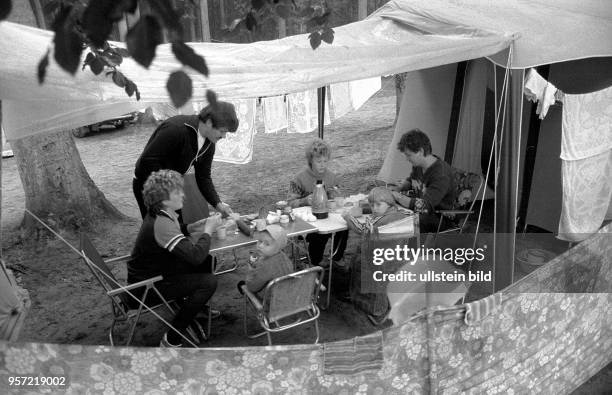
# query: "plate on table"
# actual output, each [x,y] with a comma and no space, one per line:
[250,217]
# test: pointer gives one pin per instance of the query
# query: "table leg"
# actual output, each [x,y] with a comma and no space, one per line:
[331,268]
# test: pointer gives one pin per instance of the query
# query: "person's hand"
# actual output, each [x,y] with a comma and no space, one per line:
[197,227]
[212,223]
[224,208]
[308,200]
[234,216]
[401,199]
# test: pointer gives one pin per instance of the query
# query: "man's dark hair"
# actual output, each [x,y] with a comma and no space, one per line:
[414,140]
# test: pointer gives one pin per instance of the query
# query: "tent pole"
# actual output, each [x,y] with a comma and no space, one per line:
[533,134]
[453,124]
[321,110]
[506,191]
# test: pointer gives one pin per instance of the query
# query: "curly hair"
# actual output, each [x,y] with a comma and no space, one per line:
[317,149]
[381,194]
[158,187]
[414,140]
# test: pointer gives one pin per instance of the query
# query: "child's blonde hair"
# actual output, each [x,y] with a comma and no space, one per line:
[318,148]
[381,194]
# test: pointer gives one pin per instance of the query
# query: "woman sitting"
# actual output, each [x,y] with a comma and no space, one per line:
[163,248]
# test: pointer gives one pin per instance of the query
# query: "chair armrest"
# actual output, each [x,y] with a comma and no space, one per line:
[139,284]
[452,212]
[118,259]
[252,298]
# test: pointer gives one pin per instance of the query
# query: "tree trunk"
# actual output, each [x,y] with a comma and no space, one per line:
[56,184]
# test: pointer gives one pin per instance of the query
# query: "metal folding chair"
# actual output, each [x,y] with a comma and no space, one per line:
[121,297]
[286,302]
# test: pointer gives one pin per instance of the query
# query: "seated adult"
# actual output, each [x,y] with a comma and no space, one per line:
[430,186]
[162,248]
[301,189]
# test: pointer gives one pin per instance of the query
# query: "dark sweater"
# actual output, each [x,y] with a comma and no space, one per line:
[436,186]
[163,249]
[174,145]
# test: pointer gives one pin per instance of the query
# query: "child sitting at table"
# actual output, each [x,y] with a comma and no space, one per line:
[301,188]
[384,211]
[271,262]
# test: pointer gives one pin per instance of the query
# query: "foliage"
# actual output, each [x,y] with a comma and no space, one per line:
[81,25]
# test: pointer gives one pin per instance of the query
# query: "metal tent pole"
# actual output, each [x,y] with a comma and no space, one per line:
[321,110]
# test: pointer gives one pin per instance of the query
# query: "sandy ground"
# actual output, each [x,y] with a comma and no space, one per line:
[68,305]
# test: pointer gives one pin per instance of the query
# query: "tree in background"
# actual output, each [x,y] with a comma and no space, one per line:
[56,183]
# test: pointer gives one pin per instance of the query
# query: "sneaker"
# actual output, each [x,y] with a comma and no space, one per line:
[164,343]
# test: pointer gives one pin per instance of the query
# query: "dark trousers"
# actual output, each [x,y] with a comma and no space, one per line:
[317,242]
[191,289]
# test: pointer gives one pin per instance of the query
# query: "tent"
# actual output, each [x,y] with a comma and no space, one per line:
[426,37]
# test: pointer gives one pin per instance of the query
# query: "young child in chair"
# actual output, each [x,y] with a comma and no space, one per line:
[271,262]
[384,211]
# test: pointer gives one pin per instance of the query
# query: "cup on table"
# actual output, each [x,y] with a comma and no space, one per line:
[221,232]
[339,200]
[284,220]
[260,224]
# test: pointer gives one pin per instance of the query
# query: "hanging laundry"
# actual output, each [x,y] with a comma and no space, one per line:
[586,153]
[540,91]
[362,90]
[339,100]
[275,115]
[237,147]
[302,111]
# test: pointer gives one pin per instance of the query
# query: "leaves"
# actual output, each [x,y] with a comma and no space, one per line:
[98,19]
[327,35]
[315,39]
[122,52]
[180,88]
[96,65]
[5,8]
[142,40]
[42,67]
[250,21]
[120,80]
[68,44]
[187,56]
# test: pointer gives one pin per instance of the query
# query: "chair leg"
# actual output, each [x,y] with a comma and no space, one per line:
[269,338]
[316,322]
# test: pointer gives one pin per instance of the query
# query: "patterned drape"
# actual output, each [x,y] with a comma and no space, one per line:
[546,336]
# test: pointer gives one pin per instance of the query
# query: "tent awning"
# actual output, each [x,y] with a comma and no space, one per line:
[388,42]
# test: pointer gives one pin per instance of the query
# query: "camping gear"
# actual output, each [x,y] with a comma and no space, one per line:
[292,297]
[319,201]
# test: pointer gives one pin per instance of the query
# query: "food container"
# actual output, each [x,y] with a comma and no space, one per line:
[221,232]
[532,258]
[284,220]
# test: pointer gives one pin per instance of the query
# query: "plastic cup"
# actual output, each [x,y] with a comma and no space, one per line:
[221,232]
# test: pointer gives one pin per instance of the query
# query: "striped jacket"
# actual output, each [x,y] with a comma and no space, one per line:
[162,248]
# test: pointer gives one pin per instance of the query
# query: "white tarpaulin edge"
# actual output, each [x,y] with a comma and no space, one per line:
[373,47]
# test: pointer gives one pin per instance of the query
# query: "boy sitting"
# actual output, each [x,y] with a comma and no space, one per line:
[271,262]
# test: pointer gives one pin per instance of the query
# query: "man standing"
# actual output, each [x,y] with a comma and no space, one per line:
[183,141]
[430,186]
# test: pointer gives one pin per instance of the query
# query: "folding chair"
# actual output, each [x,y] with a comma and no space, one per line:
[121,301]
[291,299]
[467,187]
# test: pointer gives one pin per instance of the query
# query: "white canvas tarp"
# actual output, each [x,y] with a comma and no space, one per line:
[373,47]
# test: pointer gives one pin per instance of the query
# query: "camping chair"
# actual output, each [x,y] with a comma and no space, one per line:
[119,295]
[289,298]
[467,187]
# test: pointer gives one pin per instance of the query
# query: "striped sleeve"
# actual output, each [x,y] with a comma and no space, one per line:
[167,232]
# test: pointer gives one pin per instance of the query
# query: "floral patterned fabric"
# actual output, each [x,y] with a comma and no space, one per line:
[545,337]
